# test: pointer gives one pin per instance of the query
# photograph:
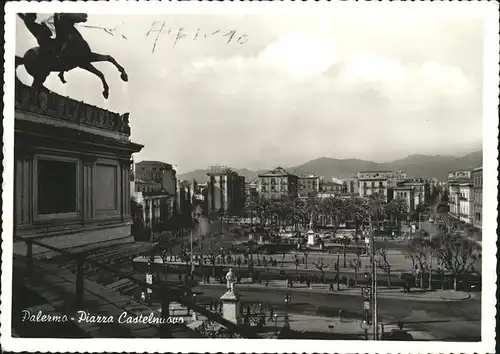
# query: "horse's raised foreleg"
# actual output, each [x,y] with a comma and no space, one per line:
[61,76]
[92,69]
[94,57]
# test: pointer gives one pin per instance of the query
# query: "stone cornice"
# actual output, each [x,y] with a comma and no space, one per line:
[50,104]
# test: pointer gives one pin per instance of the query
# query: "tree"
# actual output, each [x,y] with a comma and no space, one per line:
[336,208]
[358,210]
[321,266]
[397,209]
[355,263]
[383,263]
[456,254]
[418,251]
[312,208]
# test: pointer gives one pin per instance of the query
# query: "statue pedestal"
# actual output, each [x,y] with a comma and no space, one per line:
[231,307]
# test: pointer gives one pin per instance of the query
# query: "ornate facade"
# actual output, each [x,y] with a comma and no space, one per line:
[72,170]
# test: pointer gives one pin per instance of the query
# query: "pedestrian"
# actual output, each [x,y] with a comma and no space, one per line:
[331,286]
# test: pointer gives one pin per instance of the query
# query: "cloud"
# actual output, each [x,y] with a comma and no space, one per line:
[299,88]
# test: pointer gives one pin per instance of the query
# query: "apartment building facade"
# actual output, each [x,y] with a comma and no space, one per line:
[278,183]
[308,186]
[477,197]
[225,191]
[373,182]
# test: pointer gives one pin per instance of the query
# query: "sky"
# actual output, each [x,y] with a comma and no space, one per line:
[285,89]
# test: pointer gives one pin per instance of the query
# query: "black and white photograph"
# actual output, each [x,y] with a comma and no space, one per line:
[289,177]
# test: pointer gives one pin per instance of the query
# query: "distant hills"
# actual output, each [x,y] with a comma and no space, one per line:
[436,166]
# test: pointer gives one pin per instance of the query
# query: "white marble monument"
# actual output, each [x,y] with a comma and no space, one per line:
[231,301]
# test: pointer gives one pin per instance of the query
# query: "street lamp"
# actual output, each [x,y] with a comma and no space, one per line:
[364,326]
[338,270]
[288,298]
[275,323]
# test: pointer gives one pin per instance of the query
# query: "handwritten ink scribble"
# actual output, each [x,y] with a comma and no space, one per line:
[111,31]
[157,29]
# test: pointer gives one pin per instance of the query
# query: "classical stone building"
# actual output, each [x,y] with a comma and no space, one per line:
[373,182]
[72,171]
[225,191]
[405,193]
[459,185]
[308,186]
[278,183]
[477,197]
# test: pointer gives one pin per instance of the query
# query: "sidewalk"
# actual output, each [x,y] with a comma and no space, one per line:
[394,293]
[308,323]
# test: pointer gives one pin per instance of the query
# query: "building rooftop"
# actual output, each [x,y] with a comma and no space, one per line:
[148,162]
[381,171]
[378,178]
[220,170]
[331,183]
[278,171]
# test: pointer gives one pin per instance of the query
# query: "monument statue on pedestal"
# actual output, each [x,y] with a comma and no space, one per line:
[231,279]
[68,50]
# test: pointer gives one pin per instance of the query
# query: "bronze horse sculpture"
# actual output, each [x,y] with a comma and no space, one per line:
[67,51]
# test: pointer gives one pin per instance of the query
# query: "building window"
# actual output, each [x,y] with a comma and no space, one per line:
[57,186]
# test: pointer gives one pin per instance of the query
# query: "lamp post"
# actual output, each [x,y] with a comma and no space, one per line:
[275,323]
[338,270]
[374,280]
[288,298]
[364,326]
[430,262]
[191,251]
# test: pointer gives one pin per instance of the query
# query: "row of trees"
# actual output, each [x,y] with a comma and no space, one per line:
[453,248]
[328,211]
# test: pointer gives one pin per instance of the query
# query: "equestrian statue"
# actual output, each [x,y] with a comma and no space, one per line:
[68,50]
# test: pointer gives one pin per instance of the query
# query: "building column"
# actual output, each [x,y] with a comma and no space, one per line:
[88,167]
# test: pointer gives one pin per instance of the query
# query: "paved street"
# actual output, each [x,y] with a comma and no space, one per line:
[444,320]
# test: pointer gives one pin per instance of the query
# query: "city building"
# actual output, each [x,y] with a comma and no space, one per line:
[405,193]
[225,191]
[158,209]
[331,187]
[393,177]
[459,185]
[465,205]
[71,172]
[145,186]
[278,183]
[251,192]
[151,170]
[477,197]
[308,186]
[152,173]
[421,191]
[351,186]
[457,175]
[373,182]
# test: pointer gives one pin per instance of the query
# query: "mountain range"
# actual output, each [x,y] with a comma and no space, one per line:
[436,166]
